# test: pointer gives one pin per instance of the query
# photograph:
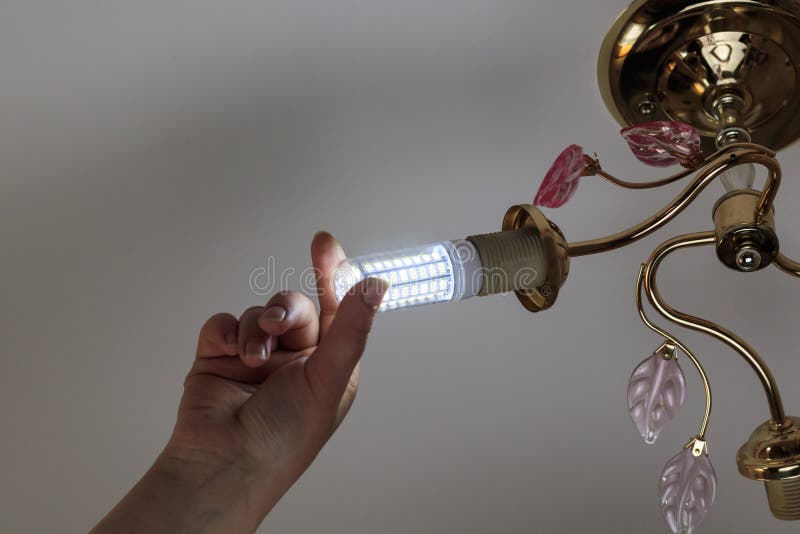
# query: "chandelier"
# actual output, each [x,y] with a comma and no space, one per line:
[711,87]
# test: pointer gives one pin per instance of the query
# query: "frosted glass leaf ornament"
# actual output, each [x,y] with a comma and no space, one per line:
[562,179]
[656,390]
[686,490]
[663,143]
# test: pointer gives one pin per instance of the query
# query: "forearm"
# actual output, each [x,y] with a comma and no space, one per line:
[176,496]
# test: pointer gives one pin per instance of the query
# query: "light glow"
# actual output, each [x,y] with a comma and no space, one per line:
[425,275]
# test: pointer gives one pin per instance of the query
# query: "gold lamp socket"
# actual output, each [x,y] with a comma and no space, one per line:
[744,244]
[772,456]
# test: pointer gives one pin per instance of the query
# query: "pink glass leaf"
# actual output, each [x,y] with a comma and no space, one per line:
[687,490]
[656,390]
[562,179]
[663,143]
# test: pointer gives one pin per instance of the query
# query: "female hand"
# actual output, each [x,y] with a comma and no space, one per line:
[265,393]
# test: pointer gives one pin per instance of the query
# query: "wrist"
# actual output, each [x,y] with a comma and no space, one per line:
[182,492]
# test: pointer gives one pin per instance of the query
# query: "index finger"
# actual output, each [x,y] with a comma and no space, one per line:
[291,318]
[326,255]
[218,337]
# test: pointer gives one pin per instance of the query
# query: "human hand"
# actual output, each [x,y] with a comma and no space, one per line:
[264,395]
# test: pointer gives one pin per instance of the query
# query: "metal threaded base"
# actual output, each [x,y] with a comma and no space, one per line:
[784,498]
[512,261]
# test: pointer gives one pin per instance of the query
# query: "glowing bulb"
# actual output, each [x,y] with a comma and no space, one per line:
[441,272]
[488,264]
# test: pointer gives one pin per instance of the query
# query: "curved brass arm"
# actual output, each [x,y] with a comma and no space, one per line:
[594,169]
[787,265]
[675,341]
[707,327]
[722,161]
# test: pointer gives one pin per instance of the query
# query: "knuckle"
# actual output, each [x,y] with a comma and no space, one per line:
[216,319]
[193,372]
[252,310]
[293,299]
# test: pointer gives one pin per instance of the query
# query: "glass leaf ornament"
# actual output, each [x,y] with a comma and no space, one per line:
[656,390]
[687,490]
[562,179]
[663,143]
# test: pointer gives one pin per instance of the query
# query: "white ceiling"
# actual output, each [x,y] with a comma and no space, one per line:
[154,153]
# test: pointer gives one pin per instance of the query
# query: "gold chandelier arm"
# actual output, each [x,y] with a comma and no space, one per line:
[771,186]
[722,161]
[675,341]
[598,171]
[707,327]
[787,265]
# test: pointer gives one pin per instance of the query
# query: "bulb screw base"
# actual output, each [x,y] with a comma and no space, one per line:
[784,498]
[512,260]
[512,252]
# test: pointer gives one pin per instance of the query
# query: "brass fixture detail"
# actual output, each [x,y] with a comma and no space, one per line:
[701,435]
[712,86]
[525,216]
[742,243]
[787,265]
[667,60]
[731,69]
[723,160]
[707,327]
[594,168]
[772,455]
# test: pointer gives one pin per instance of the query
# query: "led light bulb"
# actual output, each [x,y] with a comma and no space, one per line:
[739,177]
[451,270]
[441,272]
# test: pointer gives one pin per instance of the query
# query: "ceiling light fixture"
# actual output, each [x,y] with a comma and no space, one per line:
[714,87]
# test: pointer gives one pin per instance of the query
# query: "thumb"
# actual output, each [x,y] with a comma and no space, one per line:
[332,364]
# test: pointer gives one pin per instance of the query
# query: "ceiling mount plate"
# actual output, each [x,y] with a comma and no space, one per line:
[672,60]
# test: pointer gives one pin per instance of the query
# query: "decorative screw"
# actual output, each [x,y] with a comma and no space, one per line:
[647,106]
[748,259]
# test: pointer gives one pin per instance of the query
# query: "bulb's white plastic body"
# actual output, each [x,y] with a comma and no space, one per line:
[440,272]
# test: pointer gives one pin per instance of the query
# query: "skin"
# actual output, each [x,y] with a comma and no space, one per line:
[265,393]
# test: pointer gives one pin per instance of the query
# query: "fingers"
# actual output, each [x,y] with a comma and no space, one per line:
[326,255]
[291,318]
[254,343]
[332,364]
[229,369]
[218,337]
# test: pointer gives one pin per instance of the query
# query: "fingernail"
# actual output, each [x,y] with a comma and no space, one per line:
[274,314]
[374,289]
[255,350]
